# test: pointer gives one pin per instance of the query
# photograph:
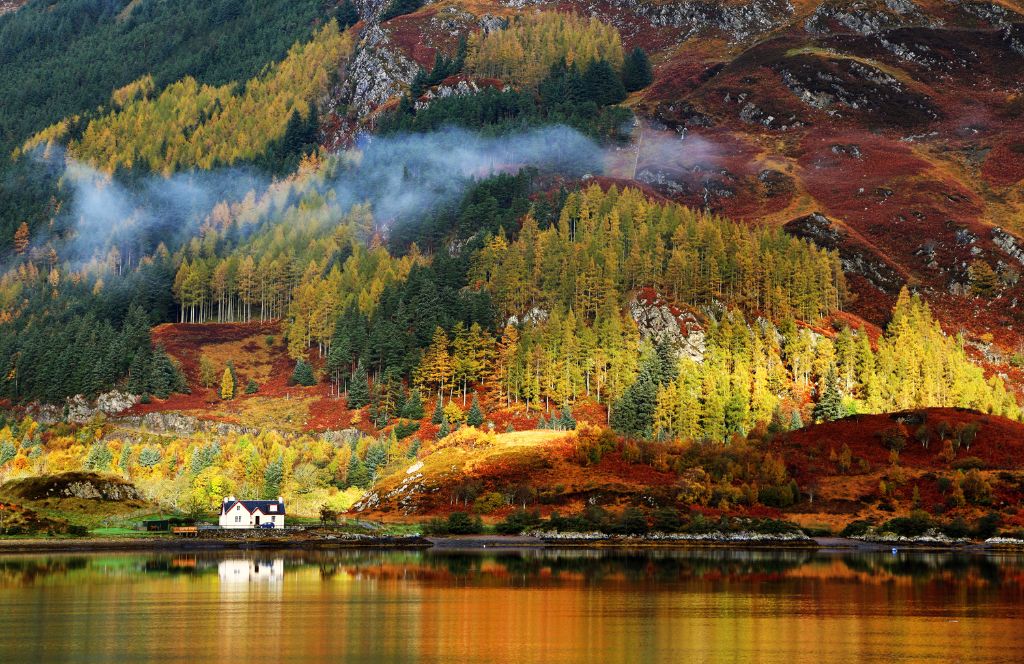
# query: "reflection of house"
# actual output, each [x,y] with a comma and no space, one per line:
[248,571]
[252,513]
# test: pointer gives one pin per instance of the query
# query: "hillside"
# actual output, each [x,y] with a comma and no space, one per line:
[629,254]
[951,463]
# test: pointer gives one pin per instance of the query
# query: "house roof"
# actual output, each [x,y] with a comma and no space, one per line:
[253,505]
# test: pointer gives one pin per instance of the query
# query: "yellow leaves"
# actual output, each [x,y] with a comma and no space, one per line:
[524,53]
[193,125]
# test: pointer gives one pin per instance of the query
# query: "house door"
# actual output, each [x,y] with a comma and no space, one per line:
[257,519]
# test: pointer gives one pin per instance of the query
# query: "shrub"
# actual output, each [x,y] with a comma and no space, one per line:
[988,525]
[489,502]
[915,525]
[633,522]
[856,528]
[893,439]
[406,429]
[518,521]
[976,488]
[667,520]
[969,463]
[252,387]
[457,523]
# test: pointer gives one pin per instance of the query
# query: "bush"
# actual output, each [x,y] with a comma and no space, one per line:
[667,520]
[252,387]
[518,521]
[856,528]
[633,522]
[893,439]
[489,502]
[969,463]
[457,523]
[406,429]
[777,496]
[988,525]
[914,525]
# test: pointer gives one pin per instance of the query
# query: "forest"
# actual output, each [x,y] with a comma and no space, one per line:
[517,296]
[63,59]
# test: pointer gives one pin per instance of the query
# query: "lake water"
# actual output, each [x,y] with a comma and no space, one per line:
[534,606]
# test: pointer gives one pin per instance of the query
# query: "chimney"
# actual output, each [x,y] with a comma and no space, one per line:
[280,499]
[229,499]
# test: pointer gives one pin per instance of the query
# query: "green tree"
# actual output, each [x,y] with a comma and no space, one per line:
[636,70]
[273,478]
[830,405]
[412,409]
[358,388]
[475,416]
[303,374]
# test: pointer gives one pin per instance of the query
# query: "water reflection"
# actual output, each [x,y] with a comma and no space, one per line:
[541,566]
[517,606]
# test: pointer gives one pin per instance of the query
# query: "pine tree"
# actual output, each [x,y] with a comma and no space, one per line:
[347,14]
[475,416]
[149,456]
[567,421]
[636,70]
[303,374]
[358,388]
[444,429]
[412,409]
[252,387]
[830,405]
[438,416]
[273,477]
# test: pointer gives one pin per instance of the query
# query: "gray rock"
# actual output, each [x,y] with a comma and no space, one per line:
[658,322]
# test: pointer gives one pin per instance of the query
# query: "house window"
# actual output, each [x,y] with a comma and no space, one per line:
[238,518]
[238,508]
[273,508]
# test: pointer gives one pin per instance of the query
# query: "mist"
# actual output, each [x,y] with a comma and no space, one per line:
[401,177]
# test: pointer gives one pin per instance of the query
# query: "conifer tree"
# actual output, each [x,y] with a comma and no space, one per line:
[273,478]
[358,388]
[830,405]
[438,416]
[412,409]
[303,374]
[475,416]
[636,70]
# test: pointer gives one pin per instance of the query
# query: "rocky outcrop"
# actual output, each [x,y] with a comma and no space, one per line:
[854,259]
[739,21]
[87,486]
[79,410]
[661,322]
[864,17]
[177,424]
[455,87]
[378,71]
[1009,244]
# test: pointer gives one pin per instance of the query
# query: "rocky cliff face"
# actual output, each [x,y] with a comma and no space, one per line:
[662,322]
[80,410]
[738,21]
[378,71]
[86,486]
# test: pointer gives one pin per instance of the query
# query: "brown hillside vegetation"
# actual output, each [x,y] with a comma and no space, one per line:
[969,465]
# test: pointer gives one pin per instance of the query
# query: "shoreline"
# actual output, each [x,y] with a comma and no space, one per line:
[464,543]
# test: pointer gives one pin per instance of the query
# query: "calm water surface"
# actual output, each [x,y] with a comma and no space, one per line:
[567,607]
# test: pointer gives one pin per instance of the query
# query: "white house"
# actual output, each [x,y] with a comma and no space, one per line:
[251,571]
[252,513]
